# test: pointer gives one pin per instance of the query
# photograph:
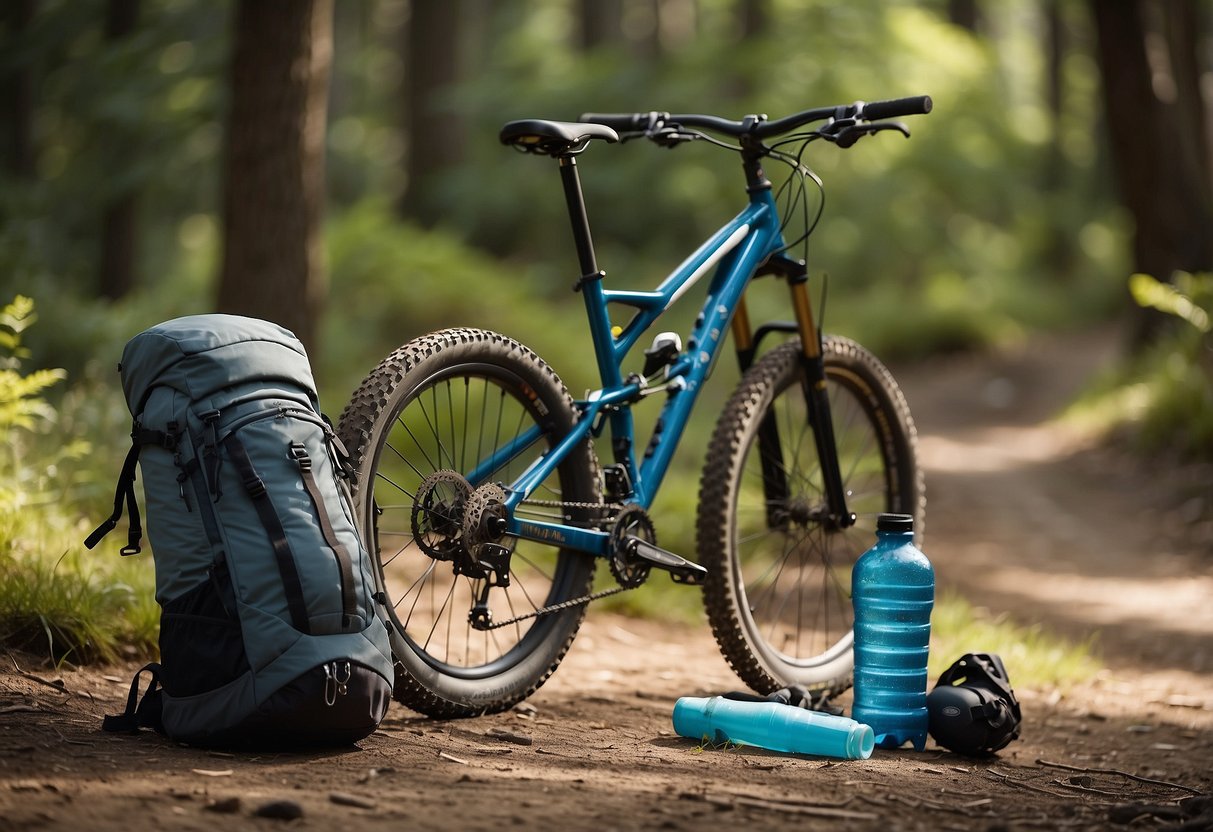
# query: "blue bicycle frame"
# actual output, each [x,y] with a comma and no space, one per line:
[736,252]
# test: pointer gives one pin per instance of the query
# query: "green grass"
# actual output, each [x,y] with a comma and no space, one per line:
[1034,656]
[68,609]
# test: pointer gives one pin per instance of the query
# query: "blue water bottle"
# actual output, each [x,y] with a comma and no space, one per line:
[893,590]
[772,725]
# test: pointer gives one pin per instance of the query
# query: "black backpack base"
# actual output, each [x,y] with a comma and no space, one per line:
[340,703]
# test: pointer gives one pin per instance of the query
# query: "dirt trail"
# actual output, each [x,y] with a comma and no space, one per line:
[1024,518]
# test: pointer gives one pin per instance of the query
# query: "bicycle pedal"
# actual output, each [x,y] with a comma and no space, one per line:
[682,571]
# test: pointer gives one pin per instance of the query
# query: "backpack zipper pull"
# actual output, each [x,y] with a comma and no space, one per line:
[210,452]
[173,442]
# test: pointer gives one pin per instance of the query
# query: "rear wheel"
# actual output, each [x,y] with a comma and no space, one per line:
[778,593]
[417,430]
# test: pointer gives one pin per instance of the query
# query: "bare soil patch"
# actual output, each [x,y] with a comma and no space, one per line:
[1024,518]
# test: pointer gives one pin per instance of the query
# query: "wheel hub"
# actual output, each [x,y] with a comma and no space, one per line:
[801,512]
[485,519]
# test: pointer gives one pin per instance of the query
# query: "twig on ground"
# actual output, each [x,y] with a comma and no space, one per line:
[732,801]
[68,740]
[59,685]
[1120,773]
[1080,788]
[19,709]
[1023,785]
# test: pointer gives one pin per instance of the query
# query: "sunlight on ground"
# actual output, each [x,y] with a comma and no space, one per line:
[994,449]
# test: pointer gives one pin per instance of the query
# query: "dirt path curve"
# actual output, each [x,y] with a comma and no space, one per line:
[1024,519]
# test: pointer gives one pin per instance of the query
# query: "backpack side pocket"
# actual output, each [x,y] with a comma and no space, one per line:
[201,644]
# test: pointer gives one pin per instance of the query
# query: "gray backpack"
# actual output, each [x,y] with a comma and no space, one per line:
[269,631]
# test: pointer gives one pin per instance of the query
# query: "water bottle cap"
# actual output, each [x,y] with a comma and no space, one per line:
[860,742]
[894,523]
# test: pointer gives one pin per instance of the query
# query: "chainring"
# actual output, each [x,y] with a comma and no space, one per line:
[629,570]
[438,514]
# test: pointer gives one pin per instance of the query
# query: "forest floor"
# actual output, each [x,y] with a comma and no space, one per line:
[1026,517]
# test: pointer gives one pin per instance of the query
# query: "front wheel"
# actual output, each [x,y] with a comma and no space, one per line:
[778,593]
[436,433]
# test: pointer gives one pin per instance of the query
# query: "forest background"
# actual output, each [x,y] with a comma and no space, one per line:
[335,167]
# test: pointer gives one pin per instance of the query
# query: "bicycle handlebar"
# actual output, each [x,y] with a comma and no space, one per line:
[755,126]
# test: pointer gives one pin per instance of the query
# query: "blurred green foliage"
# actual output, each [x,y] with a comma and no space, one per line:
[1161,400]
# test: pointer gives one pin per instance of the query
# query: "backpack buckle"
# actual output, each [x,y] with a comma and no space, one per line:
[298,453]
[255,487]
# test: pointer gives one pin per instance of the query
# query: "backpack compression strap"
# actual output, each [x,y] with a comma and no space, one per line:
[349,601]
[125,491]
[287,567]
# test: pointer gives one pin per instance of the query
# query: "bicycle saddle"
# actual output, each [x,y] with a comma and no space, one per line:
[554,138]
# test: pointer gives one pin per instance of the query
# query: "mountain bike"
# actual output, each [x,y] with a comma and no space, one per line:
[485,504]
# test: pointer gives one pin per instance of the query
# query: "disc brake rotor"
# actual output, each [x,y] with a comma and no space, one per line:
[438,514]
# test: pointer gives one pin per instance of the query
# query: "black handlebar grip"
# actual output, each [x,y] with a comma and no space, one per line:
[913,106]
[619,122]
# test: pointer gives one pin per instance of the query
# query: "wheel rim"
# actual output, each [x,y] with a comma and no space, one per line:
[793,581]
[448,423]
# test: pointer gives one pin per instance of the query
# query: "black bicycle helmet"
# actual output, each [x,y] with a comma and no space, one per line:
[973,710]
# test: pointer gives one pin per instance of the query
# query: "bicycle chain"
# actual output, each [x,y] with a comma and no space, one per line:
[572,602]
[563,605]
[615,507]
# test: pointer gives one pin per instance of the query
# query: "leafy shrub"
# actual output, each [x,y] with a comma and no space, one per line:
[52,599]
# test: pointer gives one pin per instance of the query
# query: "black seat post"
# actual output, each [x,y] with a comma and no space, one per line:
[590,282]
[577,216]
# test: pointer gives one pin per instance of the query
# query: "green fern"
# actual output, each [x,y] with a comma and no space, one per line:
[21,402]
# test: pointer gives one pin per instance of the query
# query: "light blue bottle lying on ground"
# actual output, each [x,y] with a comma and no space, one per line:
[893,591]
[772,725]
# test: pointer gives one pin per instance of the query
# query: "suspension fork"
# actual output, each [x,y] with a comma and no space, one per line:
[817,402]
[774,470]
[770,452]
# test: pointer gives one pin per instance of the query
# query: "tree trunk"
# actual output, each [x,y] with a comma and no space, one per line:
[17,97]
[119,221]
[1059,248]
[965,14]
[435,132]
[601,22]
[754,18]
[1159,160]
[273,195]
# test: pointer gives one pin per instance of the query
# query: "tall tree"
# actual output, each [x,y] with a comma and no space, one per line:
[273,179]
[432,67]
[1159,152]
[17,95]
[966,14]
[600,22]
[116,267]
[754,18]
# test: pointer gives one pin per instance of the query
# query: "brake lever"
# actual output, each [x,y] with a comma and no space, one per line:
[847,136]
[670,136]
